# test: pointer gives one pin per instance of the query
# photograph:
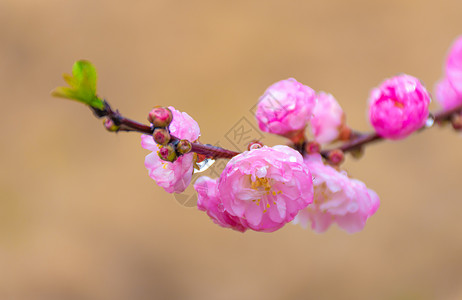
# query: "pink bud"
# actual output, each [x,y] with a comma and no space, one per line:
[167,153]
[312,147]
[456,121]
[336,157]
[398,107]
[183,146]
[160,116]
[110,125]
[161,136]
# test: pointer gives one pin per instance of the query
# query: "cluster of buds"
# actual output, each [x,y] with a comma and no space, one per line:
[169,148]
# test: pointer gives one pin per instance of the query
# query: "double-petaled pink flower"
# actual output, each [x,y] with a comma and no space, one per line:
[172,176]
[398,107]
[261,189]
[337,199]
[285,108]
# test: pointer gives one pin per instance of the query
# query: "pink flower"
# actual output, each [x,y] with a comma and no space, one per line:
[266,187]
[285,107]
[210,202]
[449,89]
[398,107]
[172,176]
[327,119]
[454,65]
[337,199]
[446,95]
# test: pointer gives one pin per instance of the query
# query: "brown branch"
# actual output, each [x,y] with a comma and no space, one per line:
[358,141]
[126,124]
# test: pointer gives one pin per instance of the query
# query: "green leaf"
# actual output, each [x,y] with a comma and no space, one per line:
[82,85]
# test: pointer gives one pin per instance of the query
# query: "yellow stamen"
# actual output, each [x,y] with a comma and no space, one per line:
[260,182]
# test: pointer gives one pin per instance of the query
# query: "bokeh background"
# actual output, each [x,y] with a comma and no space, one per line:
[81,219]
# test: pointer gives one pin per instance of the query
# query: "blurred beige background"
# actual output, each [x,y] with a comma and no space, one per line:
[81,219]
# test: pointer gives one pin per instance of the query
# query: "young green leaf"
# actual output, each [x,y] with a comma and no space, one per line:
[82,85]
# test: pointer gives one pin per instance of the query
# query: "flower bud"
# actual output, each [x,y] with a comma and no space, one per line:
[312,147]
[183,146]
[335,157]
[160,116]
[167,153]
[110,126]
[161,136]
[456,121]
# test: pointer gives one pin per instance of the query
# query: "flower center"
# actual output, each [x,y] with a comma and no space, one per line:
[264,185]
[260,183]
[398,104]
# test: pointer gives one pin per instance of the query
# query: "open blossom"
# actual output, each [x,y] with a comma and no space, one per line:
[337,199]
[172,176]
[210,202]
[454,65]
[327,119]
[266,187]
[398,107]
[285,107]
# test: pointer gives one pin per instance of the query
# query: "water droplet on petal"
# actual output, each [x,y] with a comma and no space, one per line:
[204,165]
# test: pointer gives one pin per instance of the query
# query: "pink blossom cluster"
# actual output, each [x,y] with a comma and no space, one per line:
[264,188]
[175,176]
[448,90]
[288,107]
